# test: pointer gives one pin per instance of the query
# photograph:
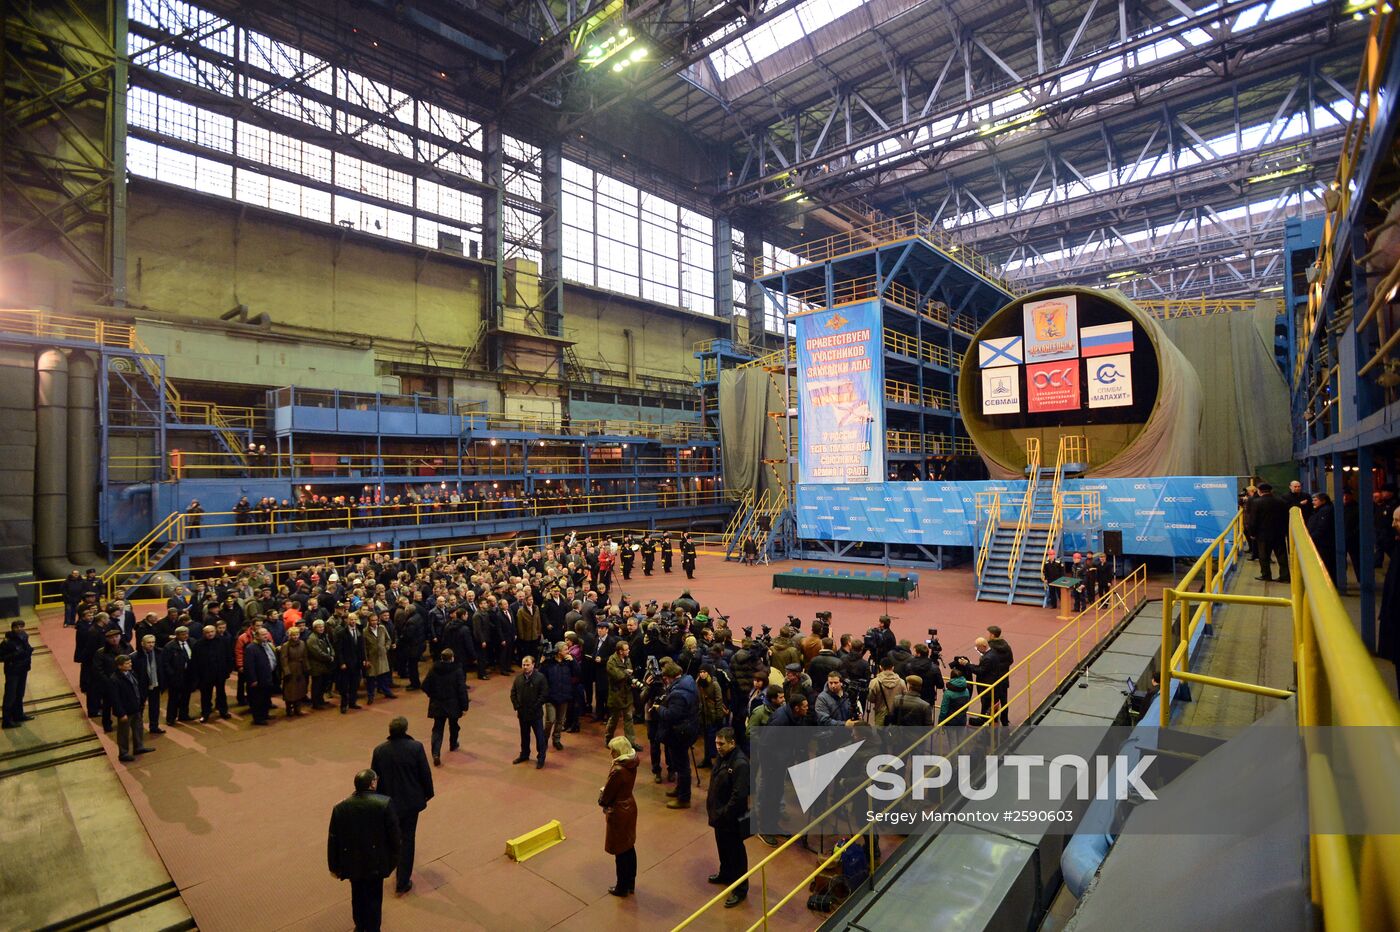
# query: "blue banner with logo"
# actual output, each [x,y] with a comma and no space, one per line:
[1176,516]
[840,387]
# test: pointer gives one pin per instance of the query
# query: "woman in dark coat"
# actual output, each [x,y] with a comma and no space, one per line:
[621,810]
[296,671]
[446,689]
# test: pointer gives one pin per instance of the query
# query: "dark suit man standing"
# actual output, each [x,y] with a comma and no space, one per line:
[666,551]
[260,667]
[404,777]
[528,694]
[211,669]
[727,808]
[176,672]
[350,659]
[15,652]
[126,703]
[1268,520]
[363,848]
[688,556]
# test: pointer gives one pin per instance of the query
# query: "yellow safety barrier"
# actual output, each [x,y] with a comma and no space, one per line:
[1055,657]
[66,327]
[526,846]
[1355,880]
[481,459]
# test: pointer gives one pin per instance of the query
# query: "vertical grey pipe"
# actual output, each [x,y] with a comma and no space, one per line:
[82,460]
[51,467]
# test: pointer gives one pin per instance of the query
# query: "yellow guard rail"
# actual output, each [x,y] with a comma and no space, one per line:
[1355,880]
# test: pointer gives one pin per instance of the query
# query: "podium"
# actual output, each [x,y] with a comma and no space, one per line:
[1066,585]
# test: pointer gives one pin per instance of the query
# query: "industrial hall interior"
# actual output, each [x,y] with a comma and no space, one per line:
[857,465]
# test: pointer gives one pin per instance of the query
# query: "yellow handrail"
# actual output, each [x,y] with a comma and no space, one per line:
[1118,603]
[1337,685]
[737,519]
[1075,445]
[137,560]
[67,327]
[1171,308]
[912,441]
[1027,507]
[993,516]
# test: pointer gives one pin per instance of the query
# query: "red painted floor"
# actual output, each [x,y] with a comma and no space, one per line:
[239,814]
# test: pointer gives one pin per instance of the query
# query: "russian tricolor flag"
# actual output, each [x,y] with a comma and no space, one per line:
[1106,339]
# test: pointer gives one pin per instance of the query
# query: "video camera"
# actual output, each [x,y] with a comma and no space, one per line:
[794,623]
[935,648]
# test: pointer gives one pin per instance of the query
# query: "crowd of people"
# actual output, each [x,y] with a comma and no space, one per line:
[675,689]
[1266,526]
[313,510]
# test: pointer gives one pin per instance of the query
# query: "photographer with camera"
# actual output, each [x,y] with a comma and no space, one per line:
[678,718]
[620,701]
[714,713]
[784,651]
[652,690]
[925,665]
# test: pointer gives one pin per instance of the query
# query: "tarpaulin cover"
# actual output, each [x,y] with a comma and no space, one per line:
[1245,409]
[747,434]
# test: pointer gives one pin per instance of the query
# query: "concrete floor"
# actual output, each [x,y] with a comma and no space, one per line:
[73,841]
[236,816]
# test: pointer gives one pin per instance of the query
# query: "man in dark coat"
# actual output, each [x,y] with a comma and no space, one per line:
[1051,570]
[260,667]
[15,653]
[211,670]
[688,556]
[104,668]
[666,551]
[1297,498]
[446,689]
[349,645]
[483,638]
[528,695]
[177,674]
[406,778]
[678,718]
[1322,528]
[363,848]
[727,807]
[1268,521]
[126,703]
[552,614]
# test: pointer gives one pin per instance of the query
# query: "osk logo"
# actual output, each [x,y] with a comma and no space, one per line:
[1052,386]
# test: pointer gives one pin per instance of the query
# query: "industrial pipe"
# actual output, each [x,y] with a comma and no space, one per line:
[82,460]
[51,467]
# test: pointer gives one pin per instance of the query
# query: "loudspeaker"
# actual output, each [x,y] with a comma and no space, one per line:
[765,523]
[1113,543]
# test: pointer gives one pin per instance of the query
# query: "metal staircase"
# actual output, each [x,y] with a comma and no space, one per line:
[1008,568]
[148,555]
[177,411]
